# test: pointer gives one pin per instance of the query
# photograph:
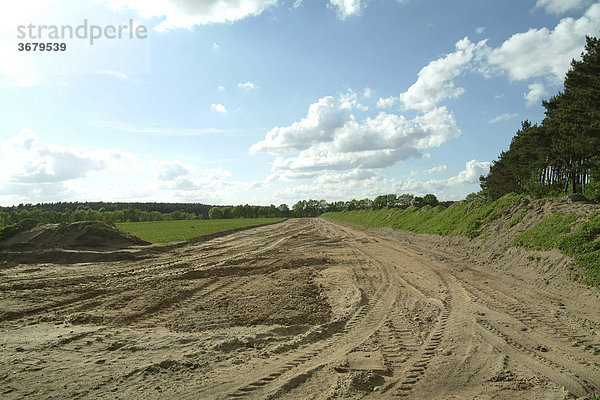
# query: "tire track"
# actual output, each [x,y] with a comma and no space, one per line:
[297,366]
[575,383]
[533,319]
[412,367]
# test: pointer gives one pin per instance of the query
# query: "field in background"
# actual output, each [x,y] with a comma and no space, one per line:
[173,231]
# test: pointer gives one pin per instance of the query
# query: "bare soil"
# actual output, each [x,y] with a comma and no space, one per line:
[304,309]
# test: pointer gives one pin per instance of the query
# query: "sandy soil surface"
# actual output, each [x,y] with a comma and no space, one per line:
[305,309]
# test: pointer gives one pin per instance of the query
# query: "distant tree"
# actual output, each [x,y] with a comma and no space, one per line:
[380,202]
[475,196]
[284,210]
[351,205]
[215,213]
[226,212]
[430,200]
[405,200]
[418,201]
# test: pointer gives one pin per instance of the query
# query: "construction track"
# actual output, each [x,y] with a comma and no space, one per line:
[305,309]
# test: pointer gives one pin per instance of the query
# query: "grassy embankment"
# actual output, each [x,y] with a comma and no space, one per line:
[173,231]
[575,235]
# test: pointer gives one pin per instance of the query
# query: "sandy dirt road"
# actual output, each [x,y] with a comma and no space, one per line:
[304,309]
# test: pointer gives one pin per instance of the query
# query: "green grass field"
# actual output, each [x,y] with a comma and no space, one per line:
[173,231]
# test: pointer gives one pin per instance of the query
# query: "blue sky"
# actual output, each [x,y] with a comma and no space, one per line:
[273,101]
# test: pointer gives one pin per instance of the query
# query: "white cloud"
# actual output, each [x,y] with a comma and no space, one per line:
[469,176]
[188,13]
[367,93]
[543,52]
[27,160]
[502,117]
[347,8]
[537,53]
[480,29]
[349,99]
[435,81]
[297,3]
[220,88]
[387,102]
[322,120]
[360,184]
[433,170]
[535,94]
[36,171]
[354,175]
[220,108]
[169,170]
[562,6]
[429,171]
[215,46]
[330,138]
[473,170]
[248,86]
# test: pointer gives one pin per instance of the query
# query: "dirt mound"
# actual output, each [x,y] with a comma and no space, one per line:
[29,235]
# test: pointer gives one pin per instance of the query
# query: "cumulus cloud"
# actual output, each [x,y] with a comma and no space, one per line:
[435,81]
[368,183]
[36,171]
[480,29]
[169,170]
[175,176]
[502,117]
[469,176]
[220,108]
[319,125]
[473,170]
[331,138]
[544,52]
[386,102]
[188,13]
[354,175]
[347,8]
[562,6]
[27,160]
[248,86]
[536,54]
[535,94]
[367,93]
[433,170]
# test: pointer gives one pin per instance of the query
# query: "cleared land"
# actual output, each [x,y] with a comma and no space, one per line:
[302,309]
[173,231]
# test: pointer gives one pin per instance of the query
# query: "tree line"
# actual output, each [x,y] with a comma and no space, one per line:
[129,212]
[562,154]
[313,208]
[199,209]
[132,212]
